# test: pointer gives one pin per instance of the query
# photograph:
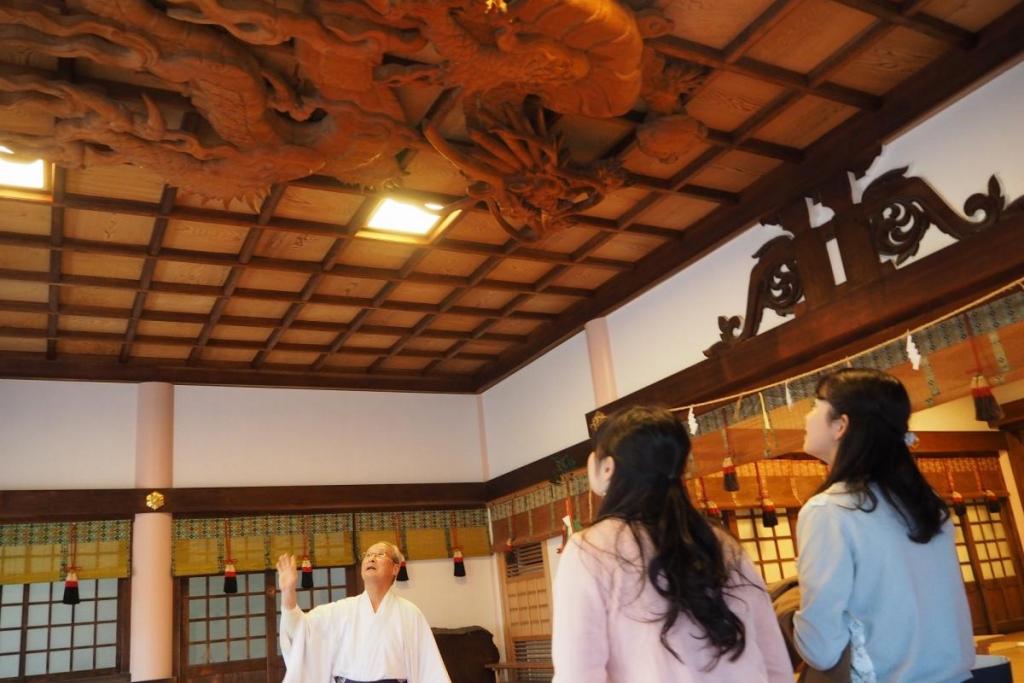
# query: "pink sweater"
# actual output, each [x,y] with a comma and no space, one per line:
[607,628]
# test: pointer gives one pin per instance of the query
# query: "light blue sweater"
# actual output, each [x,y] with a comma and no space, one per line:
[909,596]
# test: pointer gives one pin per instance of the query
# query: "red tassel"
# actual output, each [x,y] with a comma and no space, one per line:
[403,573]
[307,573]
[729,478]
[71,596]
[712,510]
[992,501]
[986,407]
[769,517]
[230,577]
[460,564]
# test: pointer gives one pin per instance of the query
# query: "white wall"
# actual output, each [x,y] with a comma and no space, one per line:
[450,602]
[66,435]
[230,436]
[958,415]
[541,409]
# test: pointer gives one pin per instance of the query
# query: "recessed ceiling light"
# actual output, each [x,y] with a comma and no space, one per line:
[30,175]
[404,218]
[434,206]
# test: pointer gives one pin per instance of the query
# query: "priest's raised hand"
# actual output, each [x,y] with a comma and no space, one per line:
[287,579]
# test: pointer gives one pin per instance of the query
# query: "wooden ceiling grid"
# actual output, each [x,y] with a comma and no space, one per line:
[116,275]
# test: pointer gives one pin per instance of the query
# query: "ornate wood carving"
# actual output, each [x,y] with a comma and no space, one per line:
[895,212]
[287,89]
[899,210]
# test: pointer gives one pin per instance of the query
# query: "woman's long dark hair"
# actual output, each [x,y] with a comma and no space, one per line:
[873,450]
[688,568]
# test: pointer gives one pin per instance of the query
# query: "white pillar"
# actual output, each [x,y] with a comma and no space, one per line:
[602,370]
[152,634]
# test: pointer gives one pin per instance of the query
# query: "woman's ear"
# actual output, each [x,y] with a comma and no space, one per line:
[840,426]
[607,470]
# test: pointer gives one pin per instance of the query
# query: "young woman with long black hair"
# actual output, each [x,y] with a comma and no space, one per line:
[651,591]
[877,559]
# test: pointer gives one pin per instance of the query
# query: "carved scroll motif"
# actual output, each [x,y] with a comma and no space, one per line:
[899,210]
[774,284]
[895,211]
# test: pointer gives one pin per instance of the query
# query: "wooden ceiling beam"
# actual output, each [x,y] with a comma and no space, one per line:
[924,24]
[329,261]
[257,294]
[245,255]
[674,46]
[56,239]
[92,368]
[167,198]
[295,226]
[360,319]
[276,264]
[149,315]
[998,44]
[13,332]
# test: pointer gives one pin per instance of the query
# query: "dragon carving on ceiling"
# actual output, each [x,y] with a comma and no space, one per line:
[281,89]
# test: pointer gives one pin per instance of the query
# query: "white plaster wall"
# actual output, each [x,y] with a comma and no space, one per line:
[667,328]
[958,415]
[540,409]
[66,435]
[230,436]
[450,602]
[958,148]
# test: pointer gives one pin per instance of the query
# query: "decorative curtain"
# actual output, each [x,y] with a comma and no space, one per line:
[333,539]
[534,514]
[38,552]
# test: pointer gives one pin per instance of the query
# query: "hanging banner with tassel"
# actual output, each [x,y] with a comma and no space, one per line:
[986,408]
[711,509]
[307,565]
[769,517]
[991,499]
[959,507]
[230,576]
[459,563]
[403,572]
[71,595]
[730,480]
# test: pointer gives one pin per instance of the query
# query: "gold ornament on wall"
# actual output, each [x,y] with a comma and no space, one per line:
[155,500]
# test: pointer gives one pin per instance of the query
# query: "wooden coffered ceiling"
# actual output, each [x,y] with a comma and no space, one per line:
[175,244]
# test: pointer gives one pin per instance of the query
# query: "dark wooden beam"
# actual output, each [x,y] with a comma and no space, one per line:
[13,332]
[674,46]
[156,239]
[337,231]
[1013,416]
[924,24]
[237,262]
[94,504]
[108,369]
[56,239]
[260,294]
[998,45]
[538,471]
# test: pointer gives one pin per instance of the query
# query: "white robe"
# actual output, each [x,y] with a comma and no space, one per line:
[347,638]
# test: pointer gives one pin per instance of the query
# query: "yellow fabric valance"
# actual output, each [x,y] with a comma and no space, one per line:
[41,552]
[200,544]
